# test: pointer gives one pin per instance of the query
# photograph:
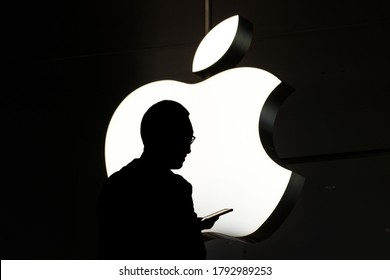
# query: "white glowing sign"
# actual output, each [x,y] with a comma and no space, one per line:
[228,166]
[215,44]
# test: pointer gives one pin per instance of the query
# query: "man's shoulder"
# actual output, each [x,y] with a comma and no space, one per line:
[182,183]
[132,166]
[129,171]
[138,172]
[180,179]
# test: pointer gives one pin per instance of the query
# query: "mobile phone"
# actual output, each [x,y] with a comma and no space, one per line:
[218,213]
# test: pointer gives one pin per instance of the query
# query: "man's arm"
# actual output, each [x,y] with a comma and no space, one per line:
[208,223]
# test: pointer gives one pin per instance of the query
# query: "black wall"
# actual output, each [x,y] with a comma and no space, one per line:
[67,65]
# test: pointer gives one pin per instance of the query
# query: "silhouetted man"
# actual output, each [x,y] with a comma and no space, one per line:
[145,211]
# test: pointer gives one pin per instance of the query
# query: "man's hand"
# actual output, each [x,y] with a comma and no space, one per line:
[208,223]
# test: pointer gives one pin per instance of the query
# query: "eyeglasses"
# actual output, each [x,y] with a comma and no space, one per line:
[192,139]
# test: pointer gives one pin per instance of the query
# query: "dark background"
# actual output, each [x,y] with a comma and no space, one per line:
[68,64]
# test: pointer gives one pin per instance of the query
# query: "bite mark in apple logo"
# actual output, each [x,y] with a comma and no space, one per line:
[230,165]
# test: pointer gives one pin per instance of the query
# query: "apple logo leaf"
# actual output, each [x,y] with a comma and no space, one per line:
[223,47]
[233,162]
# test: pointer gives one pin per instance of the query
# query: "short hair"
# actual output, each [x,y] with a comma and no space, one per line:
[164,121]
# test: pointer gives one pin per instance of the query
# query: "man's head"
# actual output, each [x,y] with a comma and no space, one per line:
[167,133]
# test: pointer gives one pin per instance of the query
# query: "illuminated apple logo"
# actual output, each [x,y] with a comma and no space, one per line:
[230,165]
